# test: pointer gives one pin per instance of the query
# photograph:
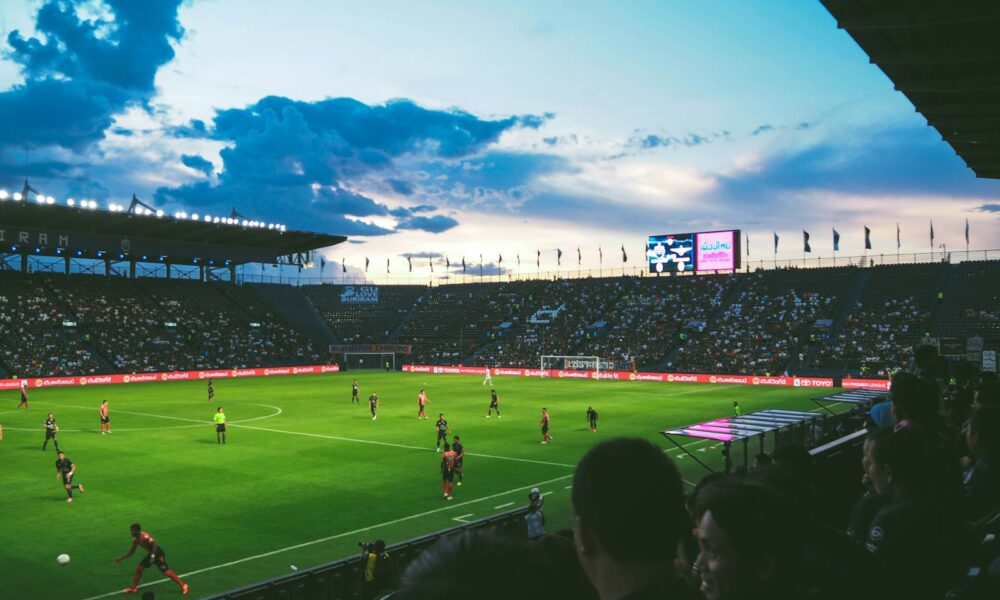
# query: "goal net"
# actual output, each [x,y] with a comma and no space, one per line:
[571,363]
[355,361]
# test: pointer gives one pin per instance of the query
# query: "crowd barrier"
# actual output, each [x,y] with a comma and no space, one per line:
[42,382]
[767,380]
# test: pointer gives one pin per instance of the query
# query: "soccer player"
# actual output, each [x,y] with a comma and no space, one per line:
[592,417]
[447,470]
[494,404]
[211,391]
[736,408]
[156,556]
[105,419]
[488,379]
[442,429]
[459,451]
[51,429]
[545,426]
[373,405]
[24,396]
[66,469]
[220,426]
[355,398]
[422,405]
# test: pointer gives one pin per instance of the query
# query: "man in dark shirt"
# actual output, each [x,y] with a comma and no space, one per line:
[494,404]
[51,429]
[373,405]
[66,469]
[211,391]
[354,392]
[24,396]
[459,450]
[442,432]
[592,417]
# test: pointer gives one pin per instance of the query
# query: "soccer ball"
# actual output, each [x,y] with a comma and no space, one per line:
[63,559]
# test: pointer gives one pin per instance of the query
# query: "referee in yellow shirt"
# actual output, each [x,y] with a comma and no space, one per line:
[220,426]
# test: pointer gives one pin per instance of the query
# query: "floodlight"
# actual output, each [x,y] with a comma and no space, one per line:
[71,202]
[17,196]
[159,213]
[50,200]
[3,195]
[194,217]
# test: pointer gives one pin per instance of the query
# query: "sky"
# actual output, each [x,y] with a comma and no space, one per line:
[464,128]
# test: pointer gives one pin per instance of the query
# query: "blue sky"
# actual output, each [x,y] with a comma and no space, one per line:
[461,128]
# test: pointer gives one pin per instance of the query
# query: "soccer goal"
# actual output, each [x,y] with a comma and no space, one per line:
[571,363]
[356,361]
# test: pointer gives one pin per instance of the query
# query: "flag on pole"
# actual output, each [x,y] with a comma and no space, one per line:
[387,265]
[409,261]
[932,234]
[366,264]
[966,232]
[500,260]
[775,242]
[447,264]
[519,260]
[343,264]
[579,257]
[805,241]
[480,265]
[322,261]
[430,261]
[600,255]
[836,240]
[538,258]
[558,256]
[748,243]
[624,256]
[897,235]
[868,238]
[463,264]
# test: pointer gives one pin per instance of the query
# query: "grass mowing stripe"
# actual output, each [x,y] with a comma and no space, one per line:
[408,447]
[340,535]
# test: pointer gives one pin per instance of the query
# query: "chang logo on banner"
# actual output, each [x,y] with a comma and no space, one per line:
[359,294]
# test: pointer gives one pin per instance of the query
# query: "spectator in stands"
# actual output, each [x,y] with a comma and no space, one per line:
[485,565]
[881,414]
[914,400]
[915,537]
[749,550]
[628,508]
[535,521]
[982,479]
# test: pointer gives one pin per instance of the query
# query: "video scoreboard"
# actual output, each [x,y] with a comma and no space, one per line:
[689,252]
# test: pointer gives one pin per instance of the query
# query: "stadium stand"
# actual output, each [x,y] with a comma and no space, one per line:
[972,302]
[363,322]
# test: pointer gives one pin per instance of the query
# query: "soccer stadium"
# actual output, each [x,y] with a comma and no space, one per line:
[338,349]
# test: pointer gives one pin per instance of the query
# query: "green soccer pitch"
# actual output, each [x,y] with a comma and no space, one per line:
[305,474]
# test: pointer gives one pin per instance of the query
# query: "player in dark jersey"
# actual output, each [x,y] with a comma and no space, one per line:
[51,430]
[355,397]
[105,418]
[592,417]
[422,405]
[459,450]
[211,391]
[447,470]
[494,404]
[156,556]
[545,426]
[66,469]
[442,430]
[24,396]
[373,405]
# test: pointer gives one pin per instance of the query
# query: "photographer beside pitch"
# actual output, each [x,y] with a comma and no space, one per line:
[377,570]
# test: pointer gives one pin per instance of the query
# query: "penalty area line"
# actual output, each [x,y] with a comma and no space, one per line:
[339,535]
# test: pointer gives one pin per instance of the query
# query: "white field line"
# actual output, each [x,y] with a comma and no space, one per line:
[340,535]
[393,445]
[461,518]
[505,505]
[277,412]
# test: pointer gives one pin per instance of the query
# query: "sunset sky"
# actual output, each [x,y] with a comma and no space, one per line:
[467,127]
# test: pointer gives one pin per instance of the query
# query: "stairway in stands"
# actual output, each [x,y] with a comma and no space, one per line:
[295,309]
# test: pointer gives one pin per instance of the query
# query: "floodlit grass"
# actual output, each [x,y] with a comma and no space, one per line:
[305,474]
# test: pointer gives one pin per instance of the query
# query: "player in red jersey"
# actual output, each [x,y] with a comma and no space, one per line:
[422,405]
[545,426]
[155,556]
[105,419]
[448,459]
[24,396]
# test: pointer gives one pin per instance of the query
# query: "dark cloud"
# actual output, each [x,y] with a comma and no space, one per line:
[641,140]
[403,188]
[80,73]
[435,224]
[766,127]
[991,208]
[198,163]
[422,255]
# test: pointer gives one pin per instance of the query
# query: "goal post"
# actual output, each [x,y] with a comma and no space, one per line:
[571,363]
[355,361]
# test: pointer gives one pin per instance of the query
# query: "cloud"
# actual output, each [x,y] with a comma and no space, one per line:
[401,187]
[193,161]
[80,73]
[990,208]
[435,224]
[766,127]
[422,255]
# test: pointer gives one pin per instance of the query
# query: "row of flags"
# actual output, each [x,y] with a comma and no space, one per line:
[806,247]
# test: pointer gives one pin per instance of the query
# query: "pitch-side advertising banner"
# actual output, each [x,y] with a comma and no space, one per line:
[42,382]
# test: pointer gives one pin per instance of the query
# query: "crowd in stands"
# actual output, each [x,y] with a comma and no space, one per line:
[925,527]
[760,329]
[876,341]
[369,322]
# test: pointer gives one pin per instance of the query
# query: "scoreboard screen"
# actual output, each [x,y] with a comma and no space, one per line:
[689,252]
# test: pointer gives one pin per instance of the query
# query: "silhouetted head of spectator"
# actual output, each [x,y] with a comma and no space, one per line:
[914,399]
[988,393]
[896,461]
[691,500]
[983,432]
[629,509]
[467,566]
[926,358]
[748,547]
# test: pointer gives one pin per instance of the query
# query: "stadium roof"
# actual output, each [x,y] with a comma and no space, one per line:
[945,57]
[57,230]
